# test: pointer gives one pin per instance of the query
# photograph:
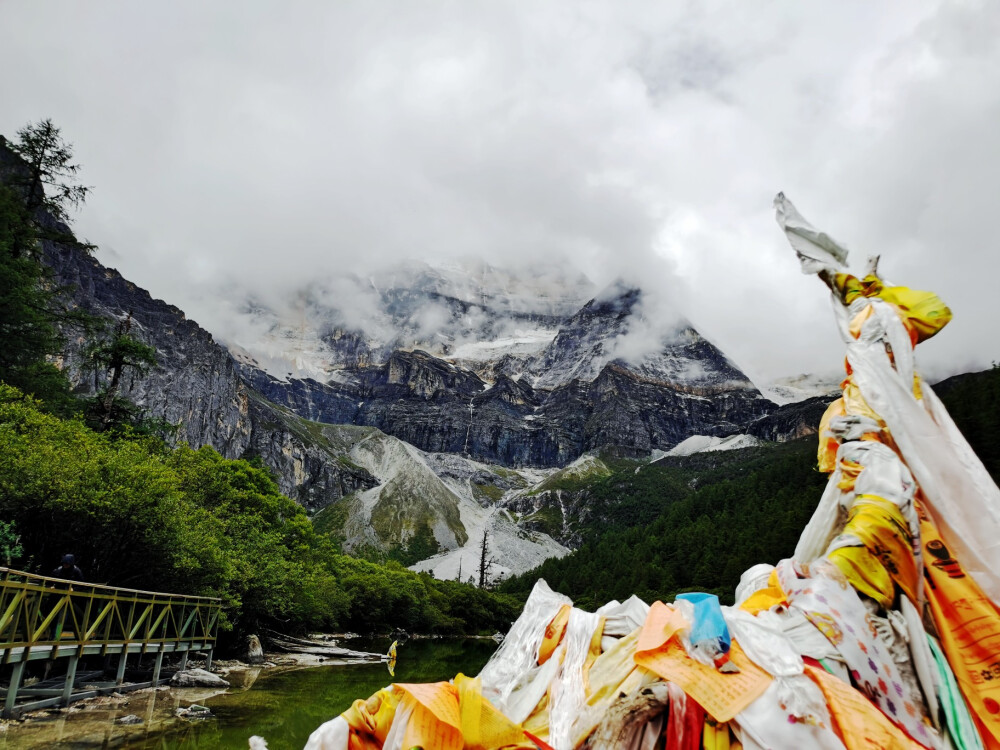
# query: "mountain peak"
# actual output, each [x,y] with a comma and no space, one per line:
[460,311]
[624,326]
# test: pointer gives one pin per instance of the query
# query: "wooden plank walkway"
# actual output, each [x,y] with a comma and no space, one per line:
[52,619]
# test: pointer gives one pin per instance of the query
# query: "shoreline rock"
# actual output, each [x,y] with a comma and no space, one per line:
[197,678]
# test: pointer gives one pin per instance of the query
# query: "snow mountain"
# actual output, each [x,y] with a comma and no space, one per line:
[522,373]
[797,388]
[416,410]
[472,313]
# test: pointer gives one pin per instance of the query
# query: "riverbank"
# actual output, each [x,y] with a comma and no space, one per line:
[109,720]
[283,703]
[112,720]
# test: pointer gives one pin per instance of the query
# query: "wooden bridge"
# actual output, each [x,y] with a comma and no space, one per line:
[50,618]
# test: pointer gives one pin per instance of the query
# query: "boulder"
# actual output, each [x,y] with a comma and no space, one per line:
[194,711]
[197,678]
[255,652]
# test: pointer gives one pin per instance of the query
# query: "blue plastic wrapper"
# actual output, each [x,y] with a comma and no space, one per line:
[709,625]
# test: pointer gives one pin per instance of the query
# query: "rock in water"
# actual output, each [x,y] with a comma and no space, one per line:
[197,678]
[194,711]
[255,652]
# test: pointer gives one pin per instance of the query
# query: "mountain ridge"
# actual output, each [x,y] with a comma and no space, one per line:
[431,405]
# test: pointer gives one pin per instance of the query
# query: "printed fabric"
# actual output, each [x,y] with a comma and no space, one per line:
[833,606]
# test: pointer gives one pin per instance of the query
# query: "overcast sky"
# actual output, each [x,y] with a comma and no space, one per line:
[251,146]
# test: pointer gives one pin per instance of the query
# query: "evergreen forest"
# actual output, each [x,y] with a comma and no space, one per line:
[695,523]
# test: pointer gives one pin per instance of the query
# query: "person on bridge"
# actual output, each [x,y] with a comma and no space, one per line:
[68,570]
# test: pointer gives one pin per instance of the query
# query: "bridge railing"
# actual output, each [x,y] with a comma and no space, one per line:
[39,611]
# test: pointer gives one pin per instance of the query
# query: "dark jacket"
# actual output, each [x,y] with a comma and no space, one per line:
[71,573]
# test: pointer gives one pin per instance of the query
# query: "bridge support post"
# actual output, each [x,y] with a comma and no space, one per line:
[184,661]
[157,665]
[70,679]
[15,684]
[208,659]
[120,677]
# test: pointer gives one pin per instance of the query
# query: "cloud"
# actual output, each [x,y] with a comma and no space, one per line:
[654,324]
[250,149]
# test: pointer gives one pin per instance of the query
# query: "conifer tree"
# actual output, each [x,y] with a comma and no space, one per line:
[49,182]
[112,358]
[37,192]
[29,310]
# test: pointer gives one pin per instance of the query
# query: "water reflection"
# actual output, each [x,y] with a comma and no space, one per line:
[391,663]
[282,705]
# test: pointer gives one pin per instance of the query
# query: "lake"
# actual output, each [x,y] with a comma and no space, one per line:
[281,705]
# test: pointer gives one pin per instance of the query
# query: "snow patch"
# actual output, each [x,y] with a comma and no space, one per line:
[797,388]
[520,343]
[444,479]
[707,443]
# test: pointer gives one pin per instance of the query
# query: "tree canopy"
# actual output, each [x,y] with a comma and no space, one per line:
[140,515]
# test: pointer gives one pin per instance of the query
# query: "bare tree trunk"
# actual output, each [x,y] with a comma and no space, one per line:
[483,562]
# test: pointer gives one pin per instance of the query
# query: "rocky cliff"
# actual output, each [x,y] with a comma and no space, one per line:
[197,384]
[576,395]
[436,407]
[514,373]
[433,404]
[792,420]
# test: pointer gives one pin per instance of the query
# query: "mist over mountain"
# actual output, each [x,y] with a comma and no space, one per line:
[468,312]
[543,325]
[499,367]
[416,454]
[419,407]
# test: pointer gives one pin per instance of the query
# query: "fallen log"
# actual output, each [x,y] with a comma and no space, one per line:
[319,649]
[272,634]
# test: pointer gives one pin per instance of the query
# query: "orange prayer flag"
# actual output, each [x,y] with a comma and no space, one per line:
[435,720]
[723,695]
[859,722]
[969,627]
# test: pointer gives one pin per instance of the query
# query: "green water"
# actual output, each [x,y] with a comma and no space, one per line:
[284,707]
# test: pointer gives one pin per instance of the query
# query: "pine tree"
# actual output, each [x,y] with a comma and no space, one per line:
[118,355]
[49,182]
[29,310]
[26,331]
[34,312]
